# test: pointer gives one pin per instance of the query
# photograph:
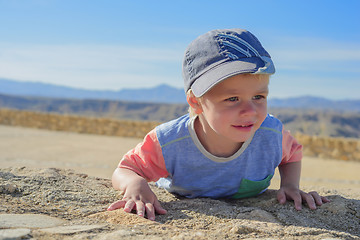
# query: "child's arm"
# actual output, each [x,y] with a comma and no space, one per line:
[290,170]
[137,194]
[142,164]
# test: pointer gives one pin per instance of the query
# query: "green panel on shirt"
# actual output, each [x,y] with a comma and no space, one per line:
[250,188]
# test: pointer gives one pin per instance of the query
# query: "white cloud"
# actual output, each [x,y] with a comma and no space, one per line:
[91,66]
[318,67]
[304,66]
[315,55]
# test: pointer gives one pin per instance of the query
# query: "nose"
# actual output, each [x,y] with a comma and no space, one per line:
[247,108]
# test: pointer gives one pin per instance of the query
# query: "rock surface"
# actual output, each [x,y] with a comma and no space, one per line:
[28,221]
[76,205]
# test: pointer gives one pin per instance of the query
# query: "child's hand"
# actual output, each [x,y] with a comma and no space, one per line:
[138,196]
[293,193]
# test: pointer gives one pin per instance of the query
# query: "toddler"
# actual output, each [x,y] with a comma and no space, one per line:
[228,146]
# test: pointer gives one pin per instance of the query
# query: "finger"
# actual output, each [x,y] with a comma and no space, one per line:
[129,206]
[297,198]
[281,197]
[318,199]
[140,208]
[309,199]
[150,211]
[158,208]
[116,205]
[325,199]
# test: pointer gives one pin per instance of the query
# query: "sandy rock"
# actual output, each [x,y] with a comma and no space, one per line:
[71,229]
[120,234]
[80,201]
[258,215]
[28,221]
[18,233]
[121,217]
[8,188]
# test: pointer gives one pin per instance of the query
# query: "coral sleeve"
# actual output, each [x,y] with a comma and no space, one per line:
[146,159]
[292,150]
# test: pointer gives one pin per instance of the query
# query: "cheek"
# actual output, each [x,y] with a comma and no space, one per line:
[220,119]
[212,117]
[262,113]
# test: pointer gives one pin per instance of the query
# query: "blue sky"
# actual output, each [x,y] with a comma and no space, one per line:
[109,44]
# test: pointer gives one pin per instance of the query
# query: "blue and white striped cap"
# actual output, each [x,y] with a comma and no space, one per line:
[220,54]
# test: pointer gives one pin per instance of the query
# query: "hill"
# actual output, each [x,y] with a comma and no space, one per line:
[310,122]
[159,94]
[96,108]
[326,123]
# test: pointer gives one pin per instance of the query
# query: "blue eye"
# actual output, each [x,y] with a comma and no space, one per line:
[258,97]
[232,99]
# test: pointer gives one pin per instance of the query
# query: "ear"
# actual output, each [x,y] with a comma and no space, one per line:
[194,102]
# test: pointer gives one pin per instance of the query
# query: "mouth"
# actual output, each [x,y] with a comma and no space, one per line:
[249,125]
[244,127]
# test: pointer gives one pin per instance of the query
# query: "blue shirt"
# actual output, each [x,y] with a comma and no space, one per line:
[194,172]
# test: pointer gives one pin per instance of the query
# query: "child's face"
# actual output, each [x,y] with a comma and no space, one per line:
[234,109]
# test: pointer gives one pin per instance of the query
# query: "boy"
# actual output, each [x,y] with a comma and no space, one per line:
[230,147]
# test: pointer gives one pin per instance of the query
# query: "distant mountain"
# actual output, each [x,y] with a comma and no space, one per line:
[159,94]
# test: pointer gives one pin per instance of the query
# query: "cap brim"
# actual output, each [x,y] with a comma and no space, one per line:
[225,70]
